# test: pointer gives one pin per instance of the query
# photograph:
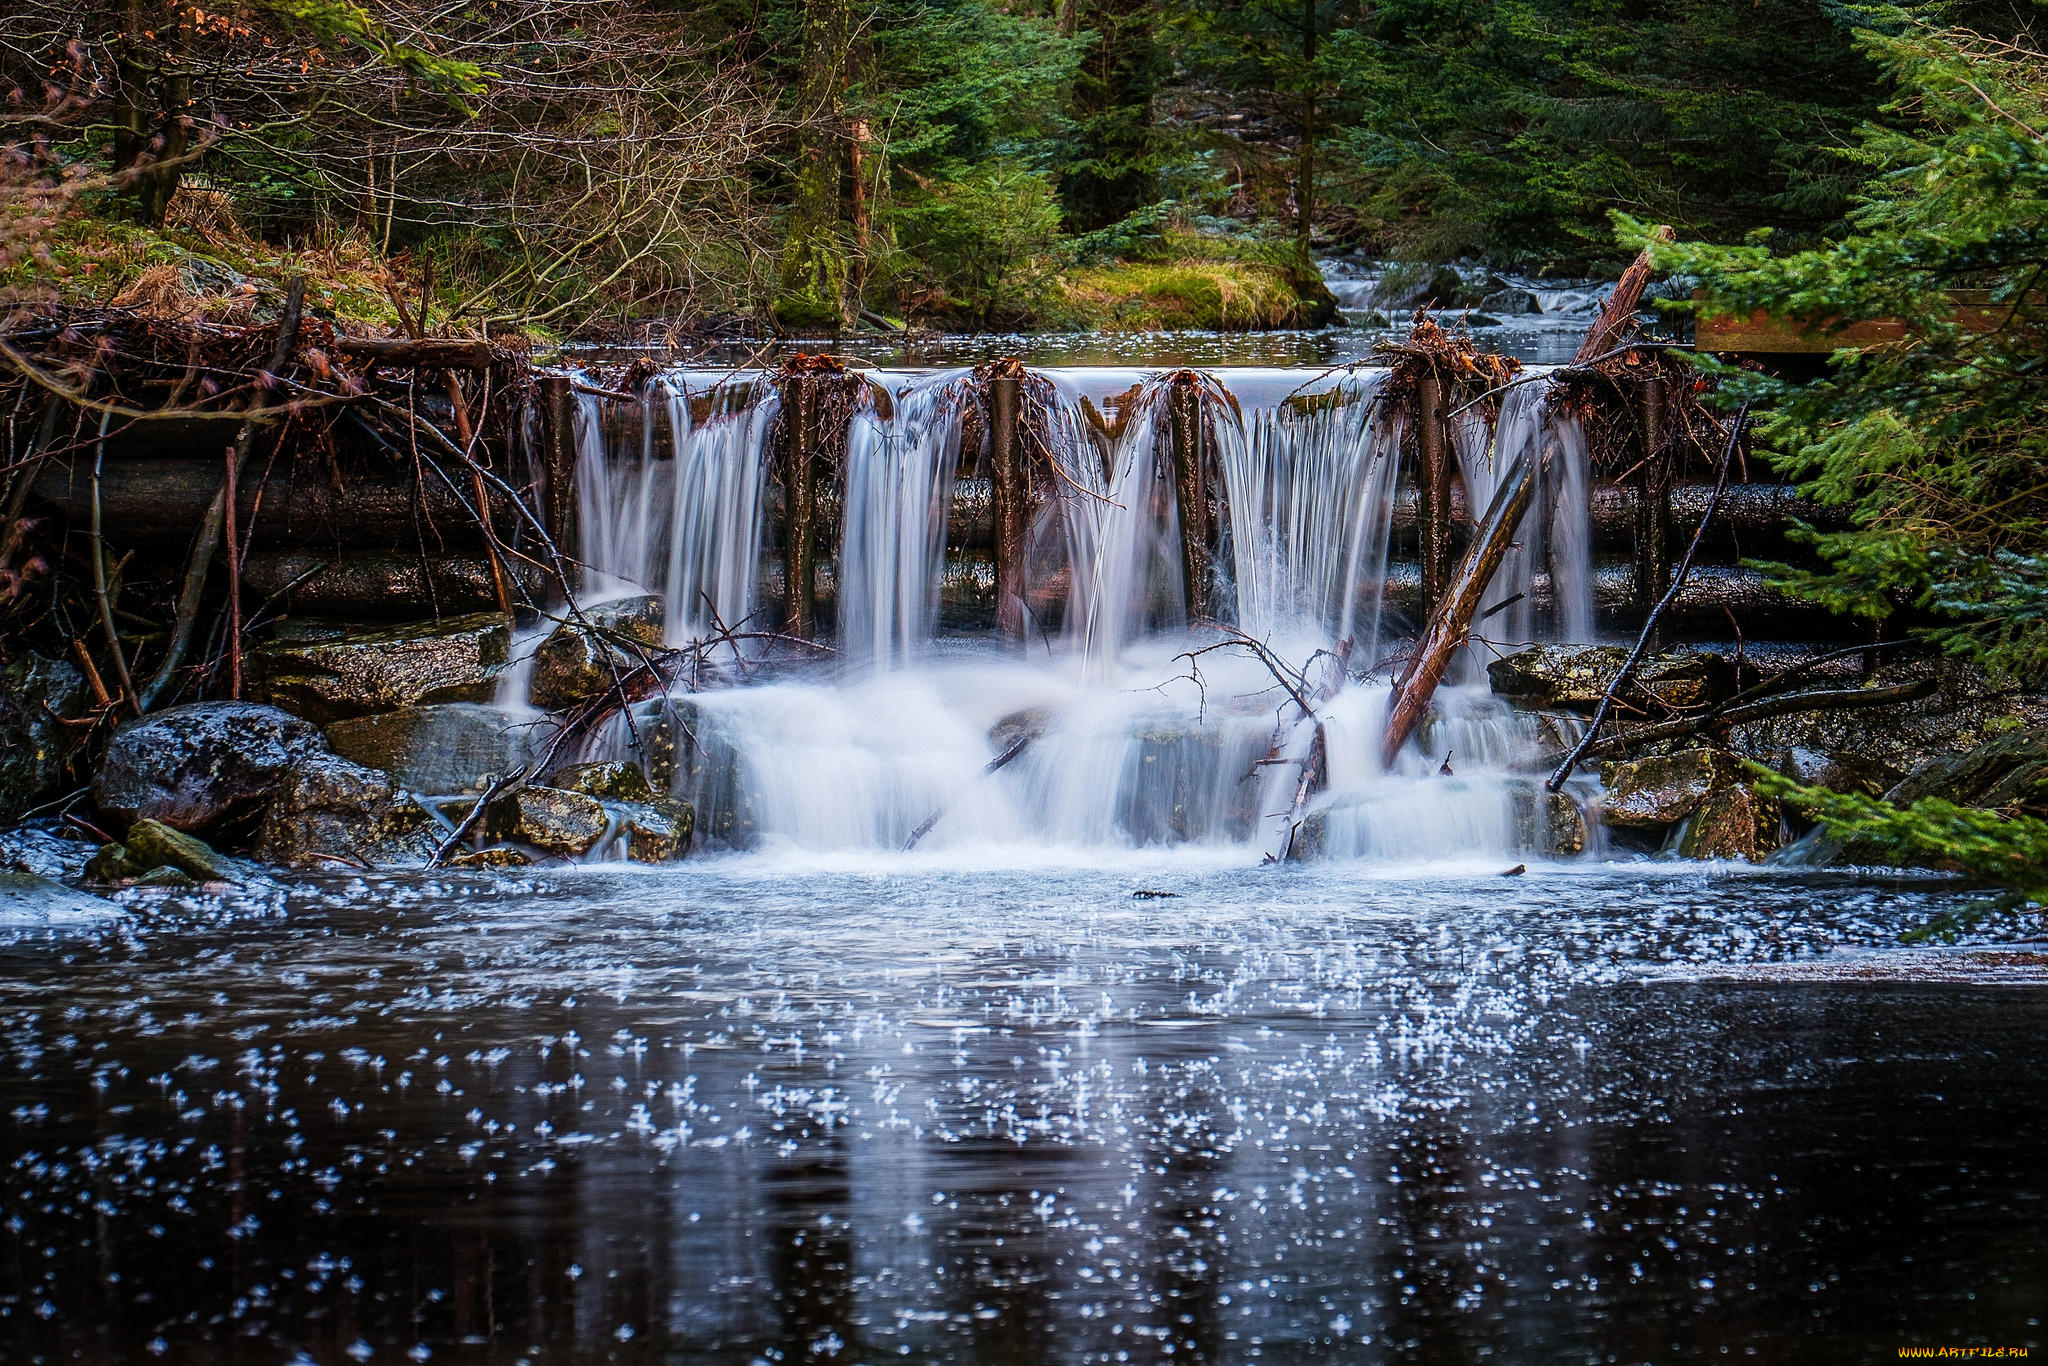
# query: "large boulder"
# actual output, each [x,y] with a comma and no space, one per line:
[330,810]
[1510,302]
[442,748]
[612,778]
[199,767]
[1734,822]
[1549,822]
[37,696]
[1575,678]
[1665,788]
[582,658]
[457,659]
[549,819]
[657,830]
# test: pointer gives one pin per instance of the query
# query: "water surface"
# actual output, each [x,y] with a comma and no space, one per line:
[876,1109]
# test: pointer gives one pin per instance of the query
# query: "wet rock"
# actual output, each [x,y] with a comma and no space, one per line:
[43,854]
[36,696]
[567,823]
[614,778]
[1734,822]
[446,747]
[1549,822]
[152,844]
[28,901]
[2010,771]
[1575,678]
[1510,302]
[1664,788]
[656,831]
[167,879]
[201,766]
[112,866]
[454,660]
[1480,320]
[330,809]
[1835,772]
[498,856]
[579,660]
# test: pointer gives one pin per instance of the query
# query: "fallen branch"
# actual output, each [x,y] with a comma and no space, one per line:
[1826,699]
[992,766]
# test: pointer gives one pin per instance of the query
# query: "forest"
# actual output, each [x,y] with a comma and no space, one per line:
[578,166]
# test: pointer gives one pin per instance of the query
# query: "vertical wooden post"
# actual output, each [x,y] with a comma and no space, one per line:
[558,460]
[1433,478]
[1009,494]
[1651,571]
[234,493]
[800,504]
[1191,488]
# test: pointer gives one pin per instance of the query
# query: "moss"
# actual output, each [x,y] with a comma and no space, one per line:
[1221,296]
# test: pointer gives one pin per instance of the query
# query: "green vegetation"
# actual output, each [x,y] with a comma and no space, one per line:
[568,166]
[1935,445]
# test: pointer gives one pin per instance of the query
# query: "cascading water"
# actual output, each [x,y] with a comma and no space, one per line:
[900,468]
[1122,726]
[682,517]
[1544,588]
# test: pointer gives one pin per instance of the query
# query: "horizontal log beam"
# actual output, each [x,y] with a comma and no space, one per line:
[432,353]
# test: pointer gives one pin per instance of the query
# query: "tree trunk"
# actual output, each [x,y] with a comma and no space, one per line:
[800,507]
[813,290]
[1435,482]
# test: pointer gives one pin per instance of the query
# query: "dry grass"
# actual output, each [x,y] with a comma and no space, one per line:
[1216,296]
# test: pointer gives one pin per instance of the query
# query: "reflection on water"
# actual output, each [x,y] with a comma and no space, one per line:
[895,1109]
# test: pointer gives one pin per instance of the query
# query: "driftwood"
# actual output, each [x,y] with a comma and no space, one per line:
[995,765]
[1649,632]
[1315,766]
[1451,620]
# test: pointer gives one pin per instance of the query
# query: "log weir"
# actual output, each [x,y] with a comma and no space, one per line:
[1026,481]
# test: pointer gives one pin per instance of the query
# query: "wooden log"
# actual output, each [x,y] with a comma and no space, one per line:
[427,353]
[372,586]
[558,405]
[1009,497]
[1435,485]
[153,505]
[1652,510]
[1190,487]
[800,505]
[1452,619]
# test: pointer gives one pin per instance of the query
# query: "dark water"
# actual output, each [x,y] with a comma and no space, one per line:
[739,1112]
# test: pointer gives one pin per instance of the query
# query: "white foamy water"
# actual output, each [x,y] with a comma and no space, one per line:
[1119,723]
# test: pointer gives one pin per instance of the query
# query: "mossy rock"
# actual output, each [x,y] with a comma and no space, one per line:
[366,672]
[1735,822]
[152,844]
[613,778]
[583,658]
[549,819]
[1665,788]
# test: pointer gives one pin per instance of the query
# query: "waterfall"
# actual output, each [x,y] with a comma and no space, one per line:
[683,516]
[900,468]
[1311,503]
[1136,730]
[1556,536]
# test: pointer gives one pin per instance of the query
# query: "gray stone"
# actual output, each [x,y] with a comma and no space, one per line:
[1965,710]
[548,818]
[31,902]
[613,778]
[1576,678]
[45,855]
[1664,788]
[198,766]
[453,660]
[581,659]
[36,749]
[329,809]
[1549,823]
[1511,302]
[656,831]
[443,748]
